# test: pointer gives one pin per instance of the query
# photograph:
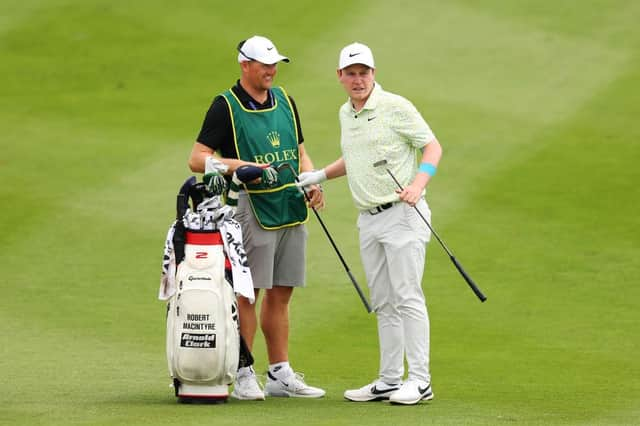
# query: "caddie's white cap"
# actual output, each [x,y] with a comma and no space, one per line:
[356,53]
[261,49]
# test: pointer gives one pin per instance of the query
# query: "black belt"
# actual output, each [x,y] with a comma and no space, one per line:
[379,209]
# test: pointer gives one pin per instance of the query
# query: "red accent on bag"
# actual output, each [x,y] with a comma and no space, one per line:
[204,238]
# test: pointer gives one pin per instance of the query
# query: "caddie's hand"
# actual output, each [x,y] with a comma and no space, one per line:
[316,196]
[411,194]
[314,177]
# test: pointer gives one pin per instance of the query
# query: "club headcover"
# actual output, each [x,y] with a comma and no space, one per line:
[248,173]
[182,202]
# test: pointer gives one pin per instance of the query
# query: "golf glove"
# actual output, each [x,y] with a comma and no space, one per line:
[270,177]
[306,179]
[215,184]
[213,165]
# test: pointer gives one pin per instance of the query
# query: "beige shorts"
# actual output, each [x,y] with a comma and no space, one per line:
[277,257]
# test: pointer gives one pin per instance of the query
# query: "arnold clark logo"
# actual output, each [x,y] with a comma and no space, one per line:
[274,138]
[204,341]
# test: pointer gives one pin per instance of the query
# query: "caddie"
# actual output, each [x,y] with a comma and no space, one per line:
[256,123]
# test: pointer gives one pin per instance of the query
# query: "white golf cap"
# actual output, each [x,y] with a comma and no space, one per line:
[261,49]
[356,53]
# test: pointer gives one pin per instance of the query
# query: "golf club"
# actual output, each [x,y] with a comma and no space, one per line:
[457,264]
[326,231]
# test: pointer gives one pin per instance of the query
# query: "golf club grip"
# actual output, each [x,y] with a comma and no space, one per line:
[468,279]
[360,293]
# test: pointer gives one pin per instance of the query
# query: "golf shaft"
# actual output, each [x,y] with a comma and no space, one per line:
[326,232]
[346,268]
[455,262]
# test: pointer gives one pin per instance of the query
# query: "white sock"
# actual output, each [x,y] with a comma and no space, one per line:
[243,371]
[280,369]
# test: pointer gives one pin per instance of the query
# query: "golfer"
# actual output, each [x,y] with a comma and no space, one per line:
[377,125]
[258,124]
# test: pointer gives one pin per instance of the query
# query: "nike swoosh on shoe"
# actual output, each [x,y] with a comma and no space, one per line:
[376,391]
[427,393]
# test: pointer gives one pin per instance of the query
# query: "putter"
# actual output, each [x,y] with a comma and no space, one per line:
[457,264]
[326,231]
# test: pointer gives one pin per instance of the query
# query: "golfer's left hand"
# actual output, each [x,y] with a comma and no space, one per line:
[314,177]
[411,194]
[316,196]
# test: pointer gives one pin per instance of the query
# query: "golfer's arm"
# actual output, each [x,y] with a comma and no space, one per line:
[336,169]
[333,170]
[431,153]
[199,154]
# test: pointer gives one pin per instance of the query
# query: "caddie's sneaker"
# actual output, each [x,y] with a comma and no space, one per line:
[247,387]
[292,385]
[411,392]
[376,391]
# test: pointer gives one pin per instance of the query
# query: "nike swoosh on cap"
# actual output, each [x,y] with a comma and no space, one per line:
[270,48]
[351,55]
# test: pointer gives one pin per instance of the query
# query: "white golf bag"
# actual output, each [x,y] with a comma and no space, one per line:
[202,322]
[202,259]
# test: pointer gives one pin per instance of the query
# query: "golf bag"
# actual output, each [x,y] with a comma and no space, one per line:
[203,340]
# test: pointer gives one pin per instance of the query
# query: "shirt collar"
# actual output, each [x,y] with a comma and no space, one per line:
[248,101]
[372,101]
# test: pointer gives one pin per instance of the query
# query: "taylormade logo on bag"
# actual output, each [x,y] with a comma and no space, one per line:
[204,341]
[192,278]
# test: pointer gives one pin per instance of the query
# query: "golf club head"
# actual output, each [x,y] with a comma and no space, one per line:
[182,202]
[380,163]
[286,166]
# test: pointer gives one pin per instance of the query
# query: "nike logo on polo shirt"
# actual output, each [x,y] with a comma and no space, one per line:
[351,55]
[371,118]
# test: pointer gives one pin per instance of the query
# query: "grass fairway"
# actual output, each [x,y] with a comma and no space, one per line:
[536,106]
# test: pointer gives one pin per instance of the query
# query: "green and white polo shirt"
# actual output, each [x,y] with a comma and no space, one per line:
[388,128]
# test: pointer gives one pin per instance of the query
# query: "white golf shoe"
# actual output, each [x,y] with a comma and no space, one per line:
[411,392]
[247,387]
[291,385]
[376,391]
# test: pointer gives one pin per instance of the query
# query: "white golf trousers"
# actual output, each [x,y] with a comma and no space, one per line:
[392,248]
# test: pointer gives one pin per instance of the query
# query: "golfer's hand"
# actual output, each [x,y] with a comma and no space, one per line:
[316,196]
[306,179]
[411,194]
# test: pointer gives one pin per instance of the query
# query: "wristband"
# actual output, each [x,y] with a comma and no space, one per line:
[427,168]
